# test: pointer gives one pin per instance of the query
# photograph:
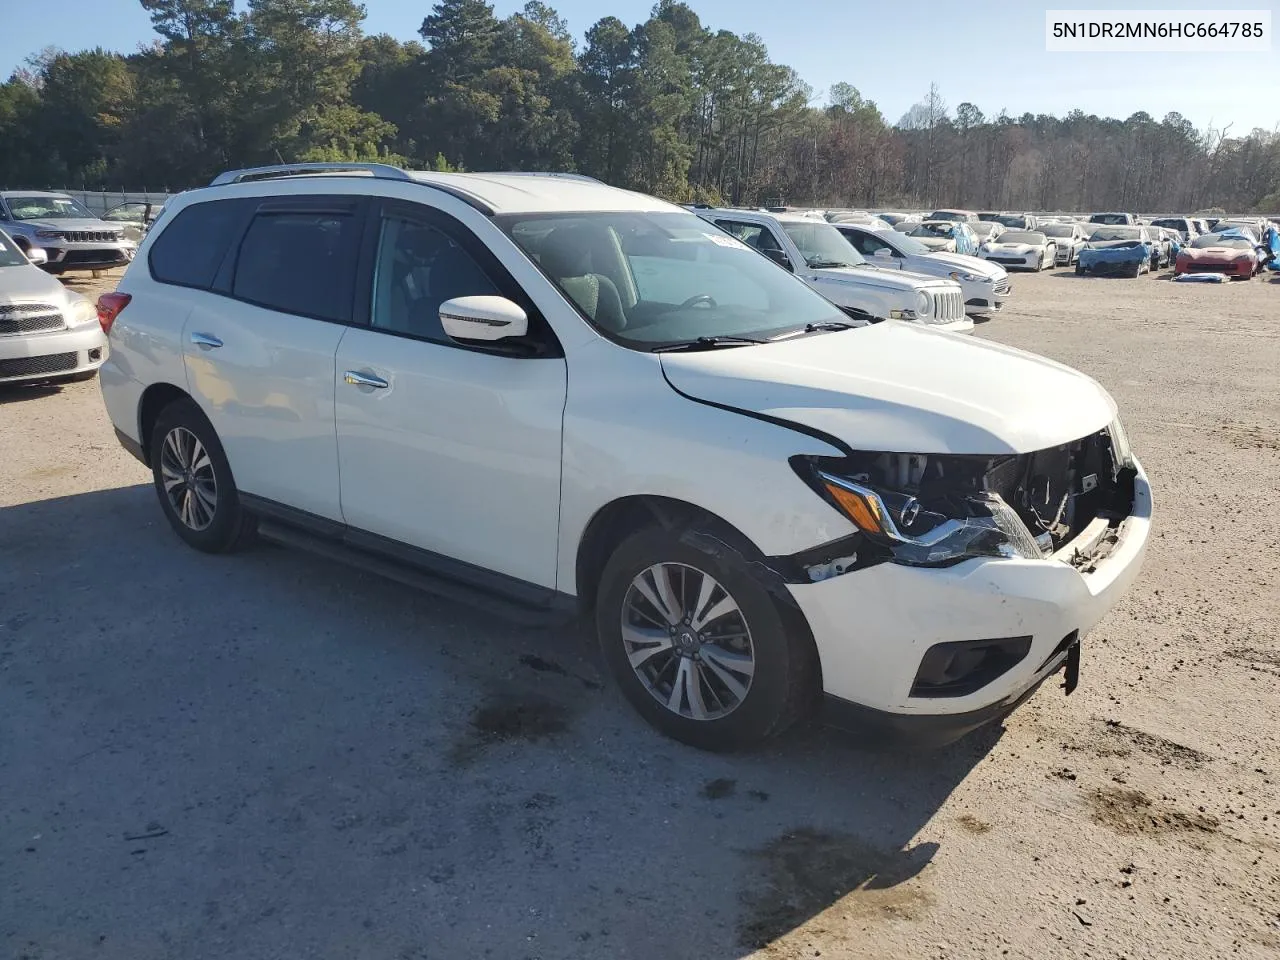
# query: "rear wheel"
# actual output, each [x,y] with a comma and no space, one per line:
[194,483]
[697,644]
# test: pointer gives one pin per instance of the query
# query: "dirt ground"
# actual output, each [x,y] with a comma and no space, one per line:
[269,755]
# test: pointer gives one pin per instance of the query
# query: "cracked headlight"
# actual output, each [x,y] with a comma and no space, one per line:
[917,537]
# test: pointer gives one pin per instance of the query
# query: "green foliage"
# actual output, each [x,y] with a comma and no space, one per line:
[668,106]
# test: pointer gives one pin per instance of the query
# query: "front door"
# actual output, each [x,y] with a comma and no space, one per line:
[448,448]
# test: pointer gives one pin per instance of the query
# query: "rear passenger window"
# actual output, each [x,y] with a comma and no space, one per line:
[190,249]
[300,262]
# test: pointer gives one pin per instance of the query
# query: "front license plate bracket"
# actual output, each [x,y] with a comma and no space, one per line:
[1071,669]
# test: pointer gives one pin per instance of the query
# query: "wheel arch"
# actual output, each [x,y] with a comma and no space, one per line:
[154,399]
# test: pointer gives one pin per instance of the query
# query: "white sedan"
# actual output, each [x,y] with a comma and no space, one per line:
[1023,249]
[985,285]
[1070,239]
[937,235]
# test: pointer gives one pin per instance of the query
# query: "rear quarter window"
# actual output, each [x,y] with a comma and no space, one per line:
[190,249]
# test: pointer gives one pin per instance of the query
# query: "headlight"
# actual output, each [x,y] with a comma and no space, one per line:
[916,537]
[1120,448]
[922,302]
[966,277]
[82,312]
[49,234]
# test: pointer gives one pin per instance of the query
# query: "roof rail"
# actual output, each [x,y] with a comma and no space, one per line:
[384,170]
[543,173]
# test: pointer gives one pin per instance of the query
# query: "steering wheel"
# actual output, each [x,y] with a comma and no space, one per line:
[702,299]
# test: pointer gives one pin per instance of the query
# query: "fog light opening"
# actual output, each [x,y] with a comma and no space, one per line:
[962,667]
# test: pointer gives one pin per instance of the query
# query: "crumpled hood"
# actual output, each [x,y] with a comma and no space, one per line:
[72,225]
[1110,244]
[903,388]
[870,276]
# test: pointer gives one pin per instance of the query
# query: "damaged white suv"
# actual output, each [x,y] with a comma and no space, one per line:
[558,396]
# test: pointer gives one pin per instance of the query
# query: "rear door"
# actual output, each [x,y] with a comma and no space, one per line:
[260,349]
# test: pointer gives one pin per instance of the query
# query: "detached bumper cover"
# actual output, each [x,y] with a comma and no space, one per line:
[873,626]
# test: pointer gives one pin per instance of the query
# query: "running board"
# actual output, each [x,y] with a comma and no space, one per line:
[558,610]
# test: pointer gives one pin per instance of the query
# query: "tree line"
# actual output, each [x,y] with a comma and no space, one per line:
[668,106]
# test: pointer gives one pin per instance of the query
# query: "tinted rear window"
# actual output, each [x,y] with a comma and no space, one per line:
[300,262]
[190,249]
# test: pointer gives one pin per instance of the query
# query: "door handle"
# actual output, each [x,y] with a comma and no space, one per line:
[364,380]
[206,340]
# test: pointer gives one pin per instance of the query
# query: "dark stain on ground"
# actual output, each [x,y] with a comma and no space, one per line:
[719,788]
[1261,661]
[972,824]
[759,795]
[802,873]
[534,662]
[1133,812]
[1166,751]
[505,720]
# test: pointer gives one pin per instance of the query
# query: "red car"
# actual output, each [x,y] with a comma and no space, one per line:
[1234,256]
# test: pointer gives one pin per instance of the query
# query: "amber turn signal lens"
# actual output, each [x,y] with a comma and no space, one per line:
[863,512]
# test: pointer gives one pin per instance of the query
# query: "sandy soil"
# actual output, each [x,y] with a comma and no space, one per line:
[272,756]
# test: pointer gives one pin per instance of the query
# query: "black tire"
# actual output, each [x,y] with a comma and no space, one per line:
[229,526]
[784,681]
[1079,270]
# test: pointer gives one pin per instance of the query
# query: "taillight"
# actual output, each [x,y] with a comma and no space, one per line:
[109,307]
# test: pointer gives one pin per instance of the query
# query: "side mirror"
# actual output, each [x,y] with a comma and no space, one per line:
[780,258]
[884,253]
[483,318]
[37,256]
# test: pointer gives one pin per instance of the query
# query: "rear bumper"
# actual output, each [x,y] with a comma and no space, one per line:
[45,356]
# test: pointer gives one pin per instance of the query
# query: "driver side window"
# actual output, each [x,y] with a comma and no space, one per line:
[752,234]
[868,246]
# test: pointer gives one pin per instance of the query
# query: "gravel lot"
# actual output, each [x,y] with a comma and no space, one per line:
[268,755]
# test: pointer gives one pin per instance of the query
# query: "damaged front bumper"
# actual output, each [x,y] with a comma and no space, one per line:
[877,628]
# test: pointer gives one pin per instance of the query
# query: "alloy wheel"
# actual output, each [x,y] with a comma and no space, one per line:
[687,641]
[188,477]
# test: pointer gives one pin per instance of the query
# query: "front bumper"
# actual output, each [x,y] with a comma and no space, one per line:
[1231,268]
[45,356]
[64,256]
[987,297]
[873,626]
[1029,262]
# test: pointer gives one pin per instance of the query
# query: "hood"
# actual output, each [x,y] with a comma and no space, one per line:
[29,284]
[963,263]
[72,224]
[1213,253]
[872,276]
[903,388]
[1019,248]
[937,242]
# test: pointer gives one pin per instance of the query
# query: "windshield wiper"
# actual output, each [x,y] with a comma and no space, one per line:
[817,263]
[706,343]
[828,325]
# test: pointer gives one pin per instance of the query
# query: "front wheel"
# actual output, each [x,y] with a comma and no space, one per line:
[698,645]
[194,483]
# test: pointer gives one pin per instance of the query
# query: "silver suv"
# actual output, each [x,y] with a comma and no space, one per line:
[71,237]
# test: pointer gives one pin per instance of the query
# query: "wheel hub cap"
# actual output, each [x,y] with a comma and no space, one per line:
[687,641]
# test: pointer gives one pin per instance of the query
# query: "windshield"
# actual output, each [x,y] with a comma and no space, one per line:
[1012,220]
[653,279]
[985,228]
[1212,240]
[1058,230]
[1036,239]
[947,215]
[932,230]
[46,208]
[1171,224]
[1111,218]
[822,246]
[1116,233]
[9,254]
[909,244]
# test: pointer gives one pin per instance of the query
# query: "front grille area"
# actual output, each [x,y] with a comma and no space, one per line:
[948,305]
[37,366]
[89,236]
[1016,261]
[94,256]
[1003,286]
[17,318]
[1209,268]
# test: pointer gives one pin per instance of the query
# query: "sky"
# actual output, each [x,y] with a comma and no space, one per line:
[982,52]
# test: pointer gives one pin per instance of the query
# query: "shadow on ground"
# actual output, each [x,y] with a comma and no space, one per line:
[271,755]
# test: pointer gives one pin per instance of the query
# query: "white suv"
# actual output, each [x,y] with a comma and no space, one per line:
[558,396]
[816,252]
